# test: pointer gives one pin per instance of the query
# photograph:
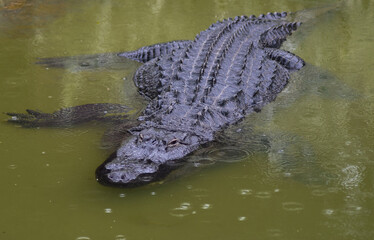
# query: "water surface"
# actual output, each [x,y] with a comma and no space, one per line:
[314,181]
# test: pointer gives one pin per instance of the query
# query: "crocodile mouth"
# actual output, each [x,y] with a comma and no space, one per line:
[126,178]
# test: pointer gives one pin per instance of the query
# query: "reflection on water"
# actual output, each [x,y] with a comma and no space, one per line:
[300,169]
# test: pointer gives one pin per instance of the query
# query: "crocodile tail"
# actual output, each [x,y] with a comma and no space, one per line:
[275,36]
[273,15]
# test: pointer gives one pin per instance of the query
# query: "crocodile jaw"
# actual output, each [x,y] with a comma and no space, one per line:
[138,163]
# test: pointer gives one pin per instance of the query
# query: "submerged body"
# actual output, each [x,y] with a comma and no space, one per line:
[196,89]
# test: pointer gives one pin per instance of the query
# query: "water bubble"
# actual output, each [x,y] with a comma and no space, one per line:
[83,238]
[287,174]
[153,193]
[292,206]
[185,206]
[122,195]
[108,210]
[242,218]
[206,206]
[328,211]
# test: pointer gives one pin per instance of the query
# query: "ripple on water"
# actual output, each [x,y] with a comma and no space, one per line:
[83,238]
[274,232]
[353,176]
[333,189]
[181,211]
[200,192]
[245,192]
[328,212]
[263,195]
[292,206]
[12,166]
[201,162]
[330,166]
[319,192]
[352,210]
[145,178]
[122,195]
[120,237]
[206,206]
[228,154]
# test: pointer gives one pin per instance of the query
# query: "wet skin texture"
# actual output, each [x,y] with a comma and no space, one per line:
[195,90]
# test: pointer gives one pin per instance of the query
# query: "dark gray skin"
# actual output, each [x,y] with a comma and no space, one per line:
[196,89]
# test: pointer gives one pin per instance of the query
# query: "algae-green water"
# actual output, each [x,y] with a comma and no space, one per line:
[314,181]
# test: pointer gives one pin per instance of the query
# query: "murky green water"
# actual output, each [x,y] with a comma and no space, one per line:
[315,182]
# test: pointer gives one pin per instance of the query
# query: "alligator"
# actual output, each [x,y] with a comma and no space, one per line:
[196,89]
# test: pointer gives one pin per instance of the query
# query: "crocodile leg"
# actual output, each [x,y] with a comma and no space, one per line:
[288,60]
[106,112]
[149,77]
[114,136]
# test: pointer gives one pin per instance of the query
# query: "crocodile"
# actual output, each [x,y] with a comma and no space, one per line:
[196,89]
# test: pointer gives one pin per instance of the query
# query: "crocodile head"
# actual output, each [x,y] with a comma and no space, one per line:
[146,157]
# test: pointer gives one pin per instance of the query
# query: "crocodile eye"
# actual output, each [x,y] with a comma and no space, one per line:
[173,142]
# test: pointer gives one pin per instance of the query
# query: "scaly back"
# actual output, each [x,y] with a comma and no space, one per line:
[230,70]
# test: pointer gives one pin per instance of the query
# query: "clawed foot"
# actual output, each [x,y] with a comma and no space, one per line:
[105,112]
[32,118]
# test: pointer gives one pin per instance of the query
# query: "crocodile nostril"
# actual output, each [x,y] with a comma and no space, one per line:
[148,161]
